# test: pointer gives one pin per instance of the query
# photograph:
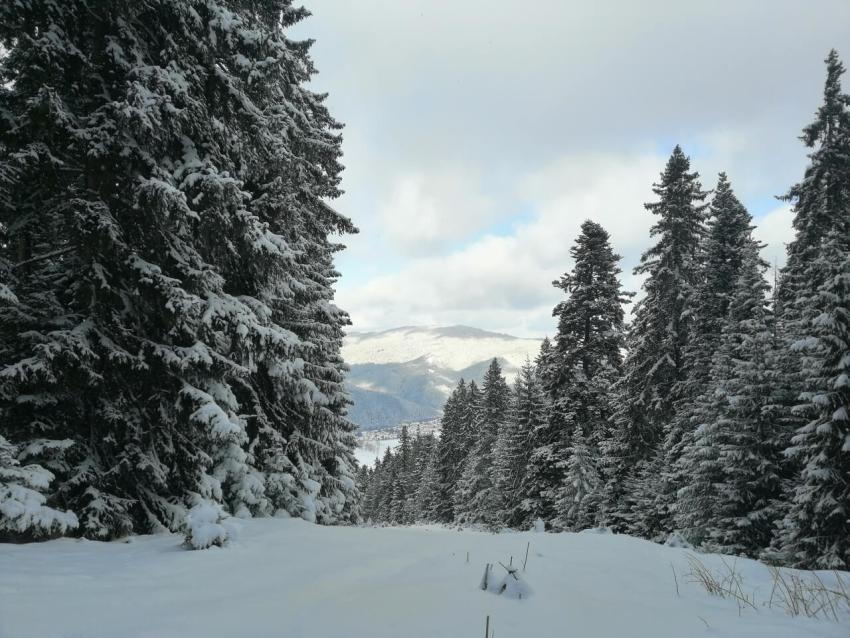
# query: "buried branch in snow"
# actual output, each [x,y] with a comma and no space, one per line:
[510,585]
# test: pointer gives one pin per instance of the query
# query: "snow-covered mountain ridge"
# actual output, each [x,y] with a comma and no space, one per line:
[453,347]
[405,374]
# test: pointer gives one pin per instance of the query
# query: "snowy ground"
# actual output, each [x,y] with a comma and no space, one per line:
[287,578]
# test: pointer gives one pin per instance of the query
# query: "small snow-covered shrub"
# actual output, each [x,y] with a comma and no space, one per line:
[309,502]
[675,539]
[208,525]
[23,513]
[539,525]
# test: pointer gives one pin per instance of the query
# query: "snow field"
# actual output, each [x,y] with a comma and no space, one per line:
[289,578]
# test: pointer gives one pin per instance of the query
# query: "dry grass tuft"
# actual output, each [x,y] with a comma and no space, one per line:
[797,593]
[809,597]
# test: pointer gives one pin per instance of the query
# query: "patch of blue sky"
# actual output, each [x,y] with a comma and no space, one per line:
[506,227]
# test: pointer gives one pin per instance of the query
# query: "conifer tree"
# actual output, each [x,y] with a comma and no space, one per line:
[536,503]
[816,530]
[578,498]
[427,490]
[583,362]
[820,203]
[821,207]
[23,513]
[727,243]
[661,325]
[451,451]
[513,447]
[476,500]
[748,443]
[163,173]
[731,481]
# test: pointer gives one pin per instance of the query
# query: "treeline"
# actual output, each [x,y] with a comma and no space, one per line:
[168,338]
[719,413]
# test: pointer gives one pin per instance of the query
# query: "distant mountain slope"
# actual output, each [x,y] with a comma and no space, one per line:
[405,374]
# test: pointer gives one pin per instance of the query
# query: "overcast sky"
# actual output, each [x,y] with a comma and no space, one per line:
[480,134]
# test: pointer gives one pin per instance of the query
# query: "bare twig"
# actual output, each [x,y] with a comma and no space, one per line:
[676,580]
[47,255]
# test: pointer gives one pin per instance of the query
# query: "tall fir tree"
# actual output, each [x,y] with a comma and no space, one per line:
[476,499]
[578,498]
[821,208]
[451,451]
[427,490]
[582,364]
[730,467]
[727,244]
[513,447]
[162,185]
[816,530]
[660,329]
[820,202]
[747,439]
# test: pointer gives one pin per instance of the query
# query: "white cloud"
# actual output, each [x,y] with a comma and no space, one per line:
[459,114]
[506,280]
[775,230]
[424,211]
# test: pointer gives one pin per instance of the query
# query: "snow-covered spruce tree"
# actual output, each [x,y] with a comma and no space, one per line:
[174,271]
[450,451]
[578,499]
[583,363]
[23,513]
[469,430]
[820,203]
[727,240]
[821,200]
[747,437]
[513,447]
[536,503]
[385,482]
[816,529]
[476,500]
[427,489]
[405,467]
[541,361]
[731,483]
[370,497]
[378,500]
[660,329]
[364,473]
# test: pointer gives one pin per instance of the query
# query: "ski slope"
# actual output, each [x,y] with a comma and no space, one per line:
[288,578]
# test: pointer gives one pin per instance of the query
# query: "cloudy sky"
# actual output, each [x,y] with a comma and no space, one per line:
[479,135]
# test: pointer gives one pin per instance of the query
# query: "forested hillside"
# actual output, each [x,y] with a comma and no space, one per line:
[720,412]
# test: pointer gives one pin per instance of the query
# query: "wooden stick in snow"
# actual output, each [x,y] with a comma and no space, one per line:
[485,577]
